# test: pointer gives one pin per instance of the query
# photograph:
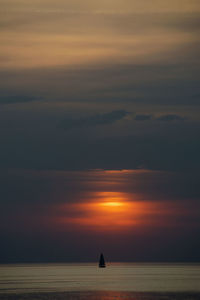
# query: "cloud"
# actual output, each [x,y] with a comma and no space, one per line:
[143,117]
[175,148]
[165,118]
[130,84]
[17,99]
[95,120]
[170,117]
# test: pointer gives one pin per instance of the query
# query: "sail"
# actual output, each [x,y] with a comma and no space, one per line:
[102,261]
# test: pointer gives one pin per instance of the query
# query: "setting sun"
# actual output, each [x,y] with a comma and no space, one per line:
[106,210]
[112,201]
[112,204]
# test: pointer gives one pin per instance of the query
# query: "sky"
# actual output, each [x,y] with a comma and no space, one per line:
[99,130]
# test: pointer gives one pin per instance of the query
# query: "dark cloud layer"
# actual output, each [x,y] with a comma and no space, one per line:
[14,99]
[168,118]
[112,153]
[150,84]
[99,119]
[143,117]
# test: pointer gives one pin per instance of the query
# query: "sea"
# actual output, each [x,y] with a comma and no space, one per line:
[79,279]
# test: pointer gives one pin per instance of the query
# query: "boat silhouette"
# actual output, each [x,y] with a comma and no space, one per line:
[102,261]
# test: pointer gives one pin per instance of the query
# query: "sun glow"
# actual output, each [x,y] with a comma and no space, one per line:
[108,210]
[112,204]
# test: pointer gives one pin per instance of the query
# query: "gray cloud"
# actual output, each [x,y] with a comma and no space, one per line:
[174,148]
[95,120]
[107,83]
[165,118]
[143,117]
[170,117]
[17,99]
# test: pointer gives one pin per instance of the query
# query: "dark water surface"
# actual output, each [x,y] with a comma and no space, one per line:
[87,281]
[100,296]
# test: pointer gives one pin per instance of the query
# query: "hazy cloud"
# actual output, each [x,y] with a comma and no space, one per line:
[98,119]
[170,117]
[17,99]
[166,118]
[143,117]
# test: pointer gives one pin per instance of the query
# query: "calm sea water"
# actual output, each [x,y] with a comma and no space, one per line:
[88,277]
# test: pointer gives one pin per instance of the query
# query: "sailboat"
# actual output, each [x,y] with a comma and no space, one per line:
[102,261]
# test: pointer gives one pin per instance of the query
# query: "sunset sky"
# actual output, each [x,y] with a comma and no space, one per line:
[99,130]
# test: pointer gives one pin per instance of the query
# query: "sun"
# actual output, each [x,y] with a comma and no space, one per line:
[111,204]
[107,211]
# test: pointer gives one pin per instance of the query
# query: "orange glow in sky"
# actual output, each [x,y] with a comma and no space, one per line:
[113,211]
[105,205]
